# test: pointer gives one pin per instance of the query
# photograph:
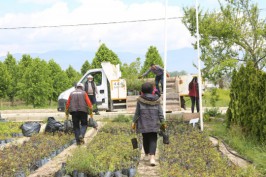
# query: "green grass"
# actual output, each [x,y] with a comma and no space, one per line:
[223,100]
[245,146]
[24,106]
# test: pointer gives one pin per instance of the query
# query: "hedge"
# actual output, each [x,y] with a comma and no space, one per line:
[247,107]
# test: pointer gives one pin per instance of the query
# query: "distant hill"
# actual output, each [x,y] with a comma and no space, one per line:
[177,60]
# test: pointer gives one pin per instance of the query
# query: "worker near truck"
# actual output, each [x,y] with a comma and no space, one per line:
[92,91]
[159,72]
[79,106]
[148,120]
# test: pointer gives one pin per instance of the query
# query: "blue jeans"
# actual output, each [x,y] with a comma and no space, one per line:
[157,80]
[93,102]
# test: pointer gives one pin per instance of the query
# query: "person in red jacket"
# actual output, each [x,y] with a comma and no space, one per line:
[79,106]
[193,89]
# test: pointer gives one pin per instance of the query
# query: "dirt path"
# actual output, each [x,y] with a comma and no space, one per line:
[49,169]
[144,168]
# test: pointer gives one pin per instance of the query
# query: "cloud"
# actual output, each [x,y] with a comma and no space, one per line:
[41,2]
[133,37]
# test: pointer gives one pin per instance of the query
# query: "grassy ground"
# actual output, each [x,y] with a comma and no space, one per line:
[20,105]
[223,98]
[245,146]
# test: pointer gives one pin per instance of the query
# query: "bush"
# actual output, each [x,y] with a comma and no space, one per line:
[27,156]
[122,118]
[247,106]
[190,153]
[110,150]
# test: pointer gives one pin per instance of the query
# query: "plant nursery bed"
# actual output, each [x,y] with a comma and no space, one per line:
[191,153]
[9,131]
[22,159]
[110,153]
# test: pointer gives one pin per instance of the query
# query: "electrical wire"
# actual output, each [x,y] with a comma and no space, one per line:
[88,24]
[95,24]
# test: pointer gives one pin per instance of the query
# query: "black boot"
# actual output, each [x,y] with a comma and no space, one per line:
[83,130]
[77,133]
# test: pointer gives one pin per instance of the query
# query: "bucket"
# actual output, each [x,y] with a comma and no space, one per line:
[134,142]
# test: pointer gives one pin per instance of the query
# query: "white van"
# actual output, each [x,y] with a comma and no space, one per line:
[112,90]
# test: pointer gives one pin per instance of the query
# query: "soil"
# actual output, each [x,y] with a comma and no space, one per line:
[145,169]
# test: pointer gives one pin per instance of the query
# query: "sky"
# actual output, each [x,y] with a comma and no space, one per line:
[132,38]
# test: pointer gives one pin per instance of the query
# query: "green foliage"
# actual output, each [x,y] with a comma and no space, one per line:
[104,55]
[122,118]
[7,128]
[21,157]
[214,97]
[226,38]
[246,146]
[35,85]
[85,67]
[247,105]
[191,153]
[60,81]
[212,112]
[12,68]
[72,75]
[178,73]
[152,57]
[5,80]
[130,73]
[223,95]
[110,150]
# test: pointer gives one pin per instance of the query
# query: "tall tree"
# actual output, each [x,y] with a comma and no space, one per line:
[131,71]
[60,81]
[72,75]
[5,79]
[24,63]
[104,55]
[35,85]
[152,57]
[85,67]
[12,68]
[236,34]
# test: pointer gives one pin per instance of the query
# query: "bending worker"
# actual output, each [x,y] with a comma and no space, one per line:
[159,72]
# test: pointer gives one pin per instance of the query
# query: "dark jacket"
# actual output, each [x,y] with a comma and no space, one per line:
[78,101]
[93,87]
[148,114]
[158,71]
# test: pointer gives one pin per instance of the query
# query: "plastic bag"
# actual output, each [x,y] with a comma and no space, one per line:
[53,125]
[30,128]
[92,123]
[165,136]
[68,126]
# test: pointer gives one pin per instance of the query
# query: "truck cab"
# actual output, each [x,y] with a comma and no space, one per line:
[111,89]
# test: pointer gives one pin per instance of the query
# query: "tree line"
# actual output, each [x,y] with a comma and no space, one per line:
[38,82]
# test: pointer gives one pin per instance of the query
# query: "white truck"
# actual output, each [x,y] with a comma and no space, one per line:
[112,90]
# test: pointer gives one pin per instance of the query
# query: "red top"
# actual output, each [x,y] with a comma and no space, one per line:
[193,89]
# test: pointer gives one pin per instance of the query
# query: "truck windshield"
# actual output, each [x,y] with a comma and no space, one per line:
[97,78]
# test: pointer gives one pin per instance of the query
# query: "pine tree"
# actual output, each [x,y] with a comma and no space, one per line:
[152,57]
[104,55]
